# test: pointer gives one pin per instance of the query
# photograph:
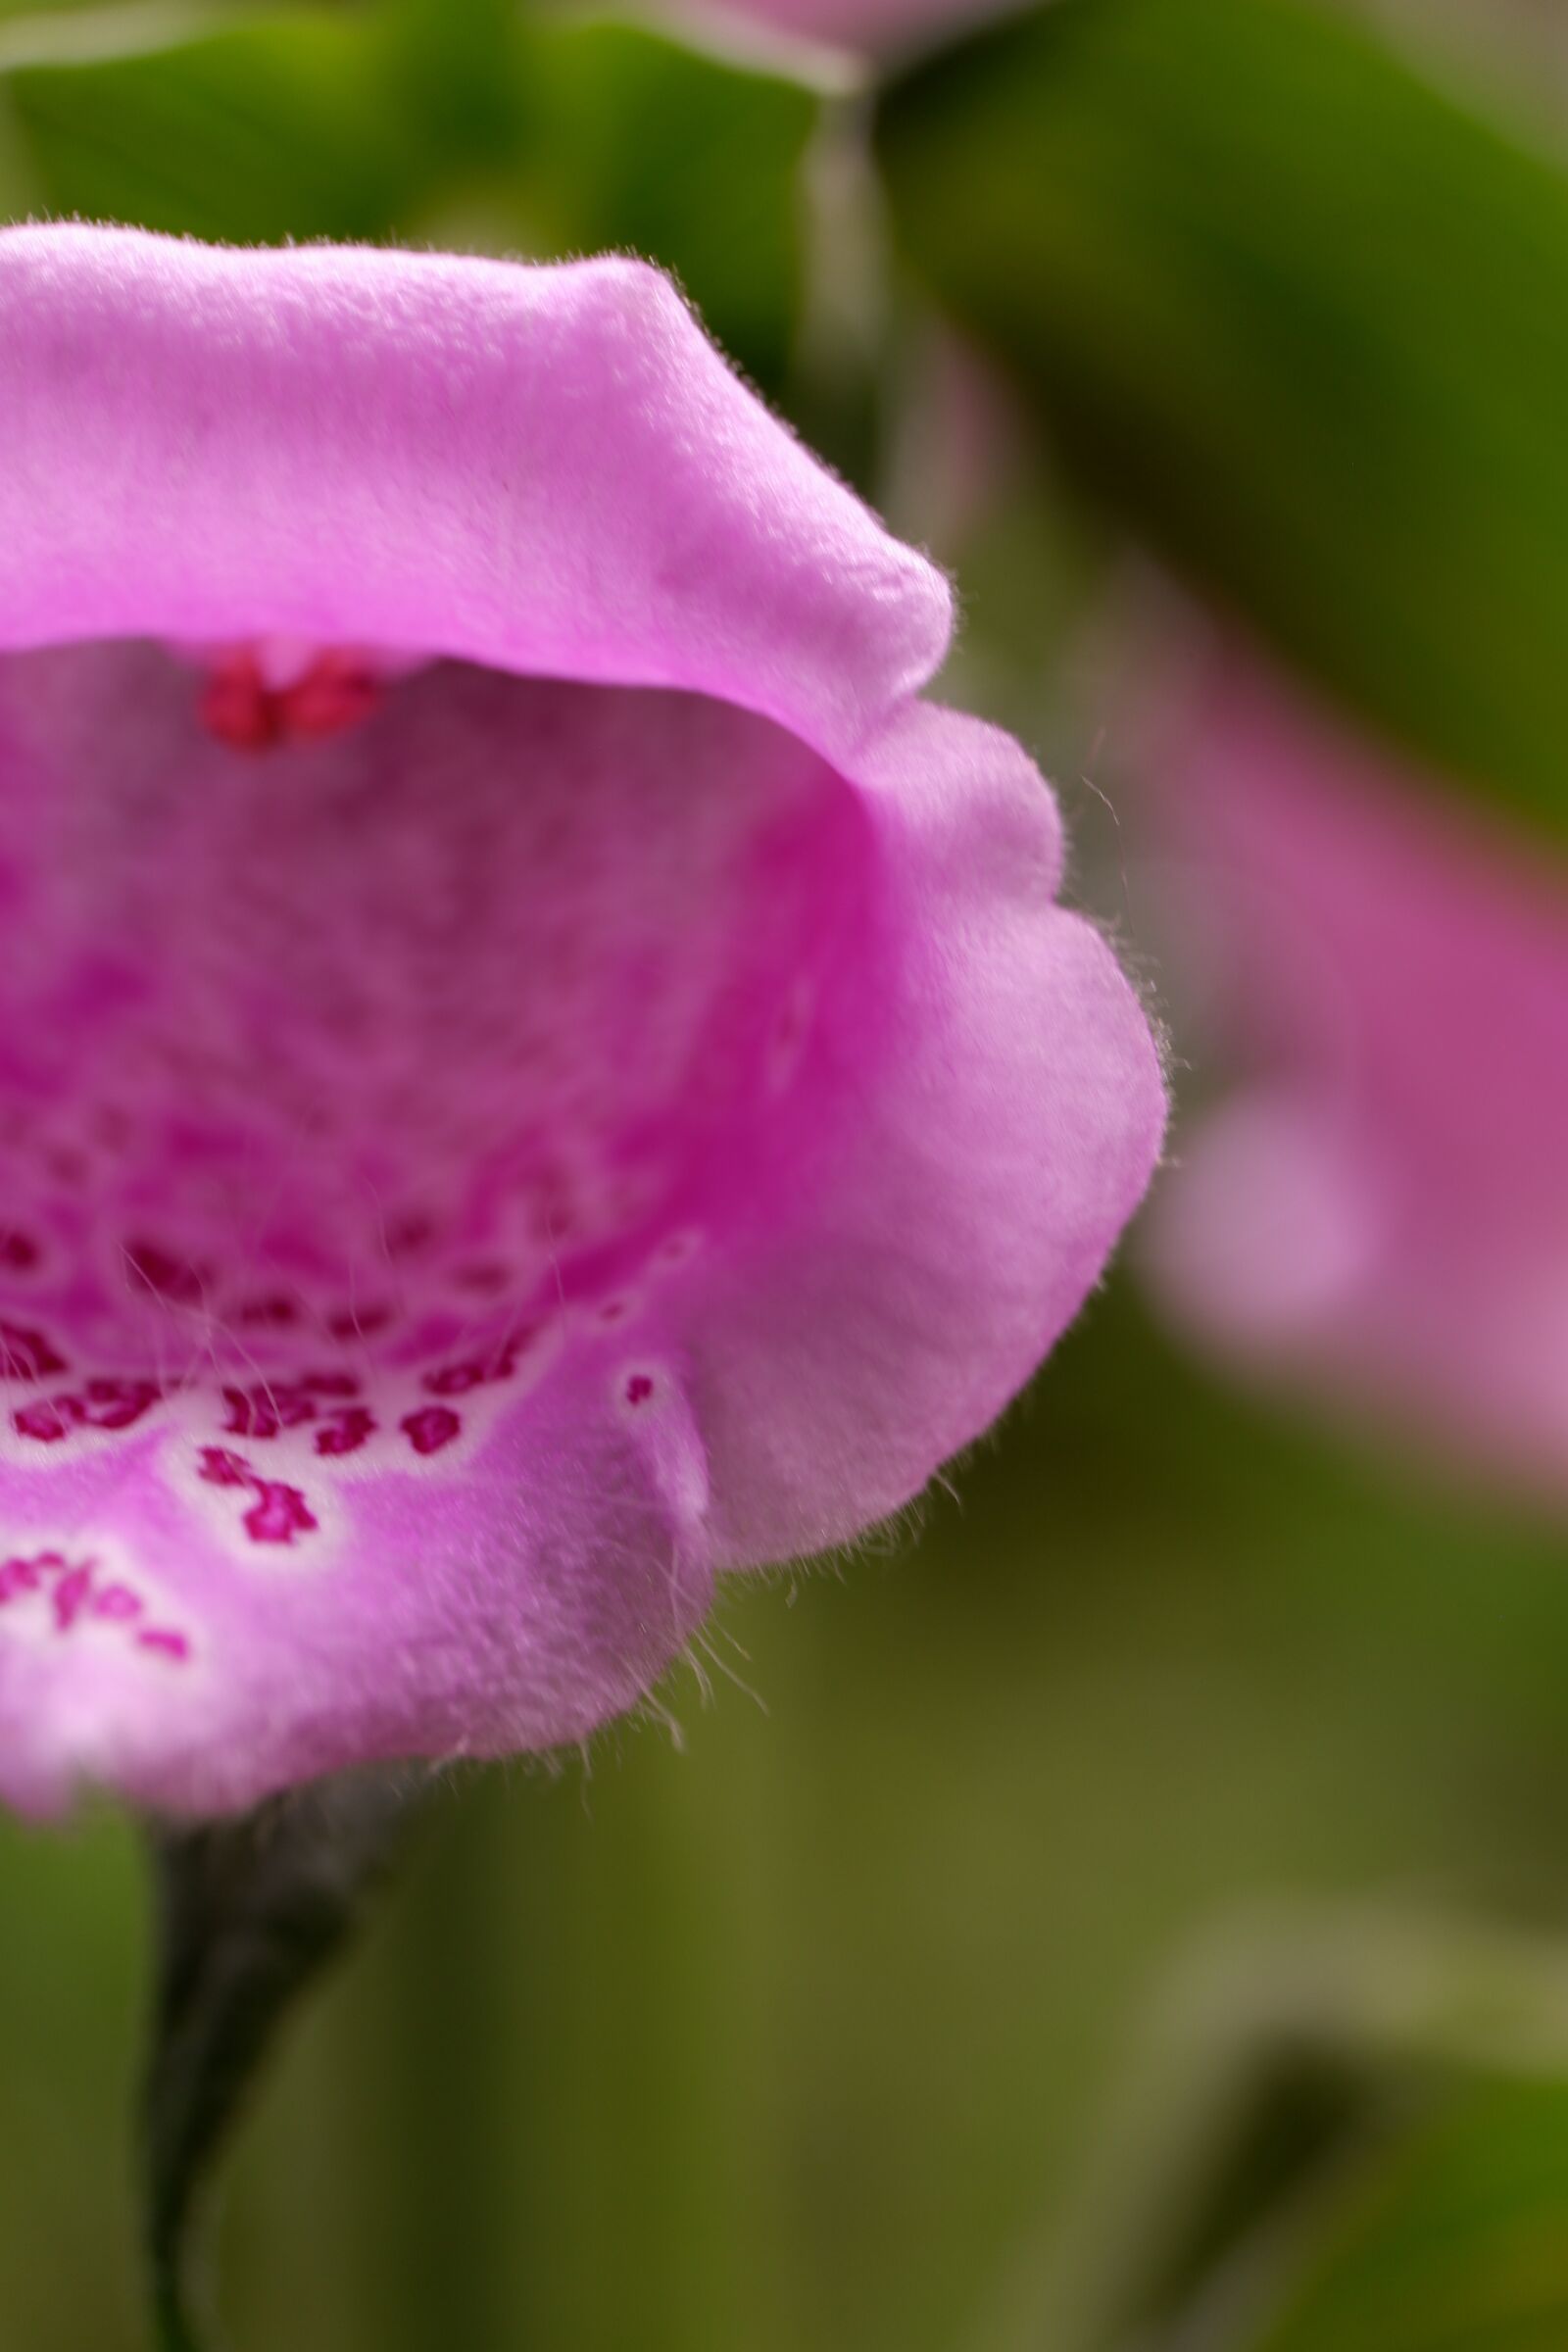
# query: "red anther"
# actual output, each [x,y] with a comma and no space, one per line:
[244,711]
[238,708]
[336,692]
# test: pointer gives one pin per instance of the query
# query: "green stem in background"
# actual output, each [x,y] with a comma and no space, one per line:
[247,1912]
[1295,312]
[171,2328]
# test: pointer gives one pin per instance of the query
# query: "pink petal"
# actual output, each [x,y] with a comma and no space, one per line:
[486,1149]
[546,469]
[1005,1134]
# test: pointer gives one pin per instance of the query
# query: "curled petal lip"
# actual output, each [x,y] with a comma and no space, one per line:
[1006,1136]
[547,470]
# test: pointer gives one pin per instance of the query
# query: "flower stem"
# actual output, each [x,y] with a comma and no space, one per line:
[171,2323]
[247,1914]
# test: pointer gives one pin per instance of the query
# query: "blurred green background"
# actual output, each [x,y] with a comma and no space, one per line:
[825,2020]
[805,2035]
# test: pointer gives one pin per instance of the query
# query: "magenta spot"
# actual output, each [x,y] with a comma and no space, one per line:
[275,1312]
[47,1420]
[165,1276]
[358,1323]
[267,1408]
[17,1576]
[115,1404]
[26,1354]
[106,1403]
[118,1603]
[476,1371]
[168,1644]
[19,1253]
[246,1419]
[639,1388]
[431,1427]
[279,1514]
[220,1468]
[75,1596]
[347,1431]
[72,1594]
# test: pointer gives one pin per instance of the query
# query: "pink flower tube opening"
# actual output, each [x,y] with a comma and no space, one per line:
[533,1069]
[1376,1203]
[862,28]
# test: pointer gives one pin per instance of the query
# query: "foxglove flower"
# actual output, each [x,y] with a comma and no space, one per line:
[881,28]
[1376,1203]
[534,1069]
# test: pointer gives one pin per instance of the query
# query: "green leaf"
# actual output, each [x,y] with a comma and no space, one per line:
[273,128]
[1301,318]
[1456,2240]
[457,63]
[628,140]
[542,137]
[1357,2142]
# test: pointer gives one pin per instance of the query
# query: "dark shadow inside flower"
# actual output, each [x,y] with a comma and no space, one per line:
[348,1083]
[373,1053]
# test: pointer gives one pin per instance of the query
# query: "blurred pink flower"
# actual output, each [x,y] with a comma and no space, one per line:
[1379,1200]
[869,28]
[535,1069]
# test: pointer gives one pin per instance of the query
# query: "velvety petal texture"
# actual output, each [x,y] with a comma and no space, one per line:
[1377,1201]
[533,1070]
[547,469]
